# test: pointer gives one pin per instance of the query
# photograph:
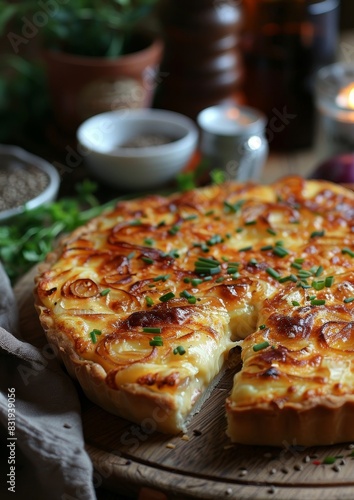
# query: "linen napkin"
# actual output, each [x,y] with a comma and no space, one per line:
[42,447]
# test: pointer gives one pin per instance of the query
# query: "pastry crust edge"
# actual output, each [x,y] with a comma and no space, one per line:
[323,421]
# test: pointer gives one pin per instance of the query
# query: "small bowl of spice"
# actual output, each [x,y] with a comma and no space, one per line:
[26,181]
[137,149]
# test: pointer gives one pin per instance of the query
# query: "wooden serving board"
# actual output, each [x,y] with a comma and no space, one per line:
[202,464]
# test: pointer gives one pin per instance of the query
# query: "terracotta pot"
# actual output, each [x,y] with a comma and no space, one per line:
[81,87]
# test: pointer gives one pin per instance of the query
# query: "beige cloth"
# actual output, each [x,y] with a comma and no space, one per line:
[50,458]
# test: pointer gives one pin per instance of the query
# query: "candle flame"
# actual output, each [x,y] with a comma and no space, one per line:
[345,98]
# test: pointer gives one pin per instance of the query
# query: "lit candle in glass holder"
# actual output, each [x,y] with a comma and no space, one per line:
[335,103]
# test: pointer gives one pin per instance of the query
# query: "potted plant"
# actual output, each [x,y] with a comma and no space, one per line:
[97,55]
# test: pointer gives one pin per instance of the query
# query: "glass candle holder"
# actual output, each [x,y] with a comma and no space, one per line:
[233,140]
[335,104]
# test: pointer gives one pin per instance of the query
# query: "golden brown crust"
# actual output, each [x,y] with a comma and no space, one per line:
[270,264]
[322,423]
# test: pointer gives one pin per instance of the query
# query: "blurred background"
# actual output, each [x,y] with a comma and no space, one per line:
[61,63]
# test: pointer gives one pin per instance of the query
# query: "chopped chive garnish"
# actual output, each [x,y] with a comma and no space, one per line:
[192,299]
[311,297]
[245,249]
[235,275]
[166,297]
[279,243]
[207,278]
[196,281]
[303,284]
[253,262]
[220,280]
[285,279]
[225,259]
[319,271]
[204,266]
[318,302]
[233,264]
[187,280]
[200,269]
[299,260]
[179,350]
[233,207]
[135,222]
[316,234]
[156,341]
[207,262]
[149,241]
[296,265]
[161,277]
[295,303]
[262,327]
[149,301]
[93,335]
[348,300]
[215,270]
[148,329]
[273,273]
[271,231]
[209,212]
[174,229]
[262,345]
[214,240]
[329,281]
[191,217]
[231,270]
[131,255]
[347,251]
[205,248]
[105,292]
[329,460]
[318,285]
[250,222]
[266,247]
[304,274]
[147,260]
[280,251]
[239,229]
[185,294]
[161,223]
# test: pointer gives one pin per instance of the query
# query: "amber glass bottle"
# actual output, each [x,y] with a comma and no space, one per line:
[284,42]
[202,64]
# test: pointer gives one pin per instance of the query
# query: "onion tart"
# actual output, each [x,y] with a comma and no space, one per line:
[146,302]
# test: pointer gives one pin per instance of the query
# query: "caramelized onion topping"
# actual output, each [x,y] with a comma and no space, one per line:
[81,288]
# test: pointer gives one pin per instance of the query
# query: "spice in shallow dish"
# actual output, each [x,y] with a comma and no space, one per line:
[147,140]
[18,185]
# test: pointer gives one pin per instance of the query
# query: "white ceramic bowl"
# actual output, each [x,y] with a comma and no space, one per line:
[136,168]
[18,158]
